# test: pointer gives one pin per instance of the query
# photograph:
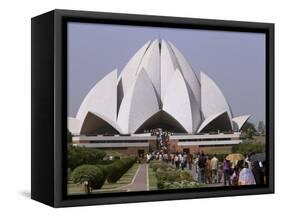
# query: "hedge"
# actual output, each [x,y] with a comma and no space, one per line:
[77,156]
[118,168]
[181,185]
[96,175]
[104,169]
[90,173]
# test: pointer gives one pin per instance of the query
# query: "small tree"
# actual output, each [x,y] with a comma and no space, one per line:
[249,130]
[249,133]
[261,127]
[92,175]
[77,156]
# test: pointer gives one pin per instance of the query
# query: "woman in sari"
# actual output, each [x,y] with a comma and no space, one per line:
[246,176]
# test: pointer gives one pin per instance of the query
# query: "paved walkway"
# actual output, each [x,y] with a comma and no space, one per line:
[140,180]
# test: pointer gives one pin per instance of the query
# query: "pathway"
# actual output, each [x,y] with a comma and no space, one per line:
[140,180]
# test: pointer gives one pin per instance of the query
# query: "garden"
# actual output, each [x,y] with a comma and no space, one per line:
[89,169]
[164,176]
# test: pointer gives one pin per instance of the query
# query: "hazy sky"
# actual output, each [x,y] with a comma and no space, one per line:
[235,61]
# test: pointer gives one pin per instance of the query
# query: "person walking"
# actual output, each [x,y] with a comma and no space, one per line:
[246,176]
[257,171]
[172,156]
[208,170]
[177,162]
[201,168]
[189,160]
[226,171]
[214,168]
[220,171]
[248,161]
[235,176]
[196,167]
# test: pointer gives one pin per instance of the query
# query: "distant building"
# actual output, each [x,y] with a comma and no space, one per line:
[156,89]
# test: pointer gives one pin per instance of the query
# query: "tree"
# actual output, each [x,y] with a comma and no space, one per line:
[249,130]
[77,156]
[69,137]
[248,125]
[261,127]
[89,175]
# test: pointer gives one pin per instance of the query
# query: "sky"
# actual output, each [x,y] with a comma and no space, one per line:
[234,60]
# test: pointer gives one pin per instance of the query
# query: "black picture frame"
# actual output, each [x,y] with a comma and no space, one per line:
[49,108]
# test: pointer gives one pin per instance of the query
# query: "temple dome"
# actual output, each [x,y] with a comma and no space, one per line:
[157,82]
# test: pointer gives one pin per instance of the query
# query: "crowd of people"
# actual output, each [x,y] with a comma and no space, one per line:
[179,160]
[162,138]
[210,170]
[232,173]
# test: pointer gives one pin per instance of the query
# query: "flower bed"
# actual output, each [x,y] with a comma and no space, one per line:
[168,177]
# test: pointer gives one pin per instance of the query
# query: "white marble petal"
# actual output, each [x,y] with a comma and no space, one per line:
[138,104]
[212,99]
[102,99]
[177,102]
[240,121]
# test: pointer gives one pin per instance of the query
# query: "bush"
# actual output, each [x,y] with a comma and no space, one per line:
[90,173]
[185,176]
[167,175]
[105,162]
[77,156]
[116,158]
[181,185]
[170,175]
[159,164]
[104,169]
[118,168]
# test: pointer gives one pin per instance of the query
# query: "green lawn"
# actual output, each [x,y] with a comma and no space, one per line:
[107,187]
[152,180]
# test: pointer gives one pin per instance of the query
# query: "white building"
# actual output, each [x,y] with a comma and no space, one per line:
[156,89]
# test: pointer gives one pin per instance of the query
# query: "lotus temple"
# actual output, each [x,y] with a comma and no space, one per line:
[157,89]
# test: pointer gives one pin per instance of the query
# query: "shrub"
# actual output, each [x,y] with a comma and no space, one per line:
[90,173]
[170,175]
[116,158]
[80,155]
[105,162]
[167,174]
[185,176]
[117,169]
[113,173]
[104,169]
[159,164]
[181,185]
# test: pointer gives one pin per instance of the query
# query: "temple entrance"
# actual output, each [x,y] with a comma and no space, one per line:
[141,153]
[186,150]
[162,139]
[161,120]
